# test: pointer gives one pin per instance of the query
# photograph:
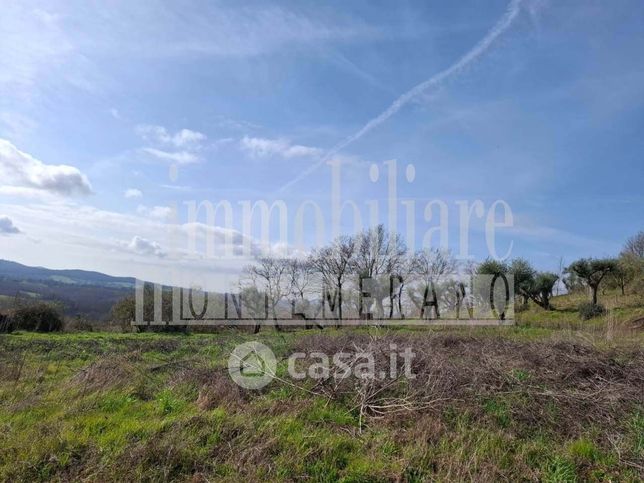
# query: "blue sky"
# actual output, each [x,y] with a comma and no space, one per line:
[98,104]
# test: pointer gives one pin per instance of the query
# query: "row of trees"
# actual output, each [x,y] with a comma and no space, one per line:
[529,284]
[377,252]
[273,284]
[613,273]
[373,254]
[583,274]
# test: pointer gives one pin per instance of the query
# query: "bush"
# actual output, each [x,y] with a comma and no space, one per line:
[124,312]
[37,318]
[588,310]
[80,323]
[6,325]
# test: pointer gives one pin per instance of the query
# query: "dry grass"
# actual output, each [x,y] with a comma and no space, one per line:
[587,384]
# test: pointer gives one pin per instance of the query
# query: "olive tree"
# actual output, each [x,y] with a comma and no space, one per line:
[592,271]
[542,287]
[524,275]
[629,268]
[531,284]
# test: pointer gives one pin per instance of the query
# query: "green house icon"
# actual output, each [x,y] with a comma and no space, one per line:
[252,365]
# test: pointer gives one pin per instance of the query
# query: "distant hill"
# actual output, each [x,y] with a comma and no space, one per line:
[74,277]
[81,292]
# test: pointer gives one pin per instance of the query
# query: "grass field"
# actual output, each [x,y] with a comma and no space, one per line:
[552,399]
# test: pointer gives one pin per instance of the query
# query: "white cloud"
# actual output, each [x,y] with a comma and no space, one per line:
[21,170]
[7,227]
[183,138]
[158,212]
[186,137]
[133,193]
[181,147]
[263,147]
[144,246]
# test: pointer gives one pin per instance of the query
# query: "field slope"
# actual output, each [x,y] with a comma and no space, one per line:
[549,400]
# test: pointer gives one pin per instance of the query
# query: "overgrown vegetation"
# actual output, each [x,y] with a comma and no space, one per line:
[548,400]
[39,317]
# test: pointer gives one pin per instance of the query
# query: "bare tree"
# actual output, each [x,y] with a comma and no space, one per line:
[301,276]
[403,274]
[428,266]
[269,275]
[255,303]
[334,263]
[635,245]
[379,253]
[432,264]
[629,269]
[470,268]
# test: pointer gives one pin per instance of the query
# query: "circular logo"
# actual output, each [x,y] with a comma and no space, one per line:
[252,365]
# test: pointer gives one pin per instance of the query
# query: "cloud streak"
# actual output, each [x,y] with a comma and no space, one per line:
[506,20]
[180,157]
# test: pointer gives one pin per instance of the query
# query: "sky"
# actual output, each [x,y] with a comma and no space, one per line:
[115,117]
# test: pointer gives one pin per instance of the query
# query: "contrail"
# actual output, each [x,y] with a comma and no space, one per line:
[479,49]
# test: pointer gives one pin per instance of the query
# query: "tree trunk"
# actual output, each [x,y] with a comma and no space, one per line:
[594,289]
[277,325]
[546,301]
[339,304]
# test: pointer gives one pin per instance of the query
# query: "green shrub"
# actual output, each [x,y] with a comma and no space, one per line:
[588,310]
[37,318]
[559,470]
[583,450]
